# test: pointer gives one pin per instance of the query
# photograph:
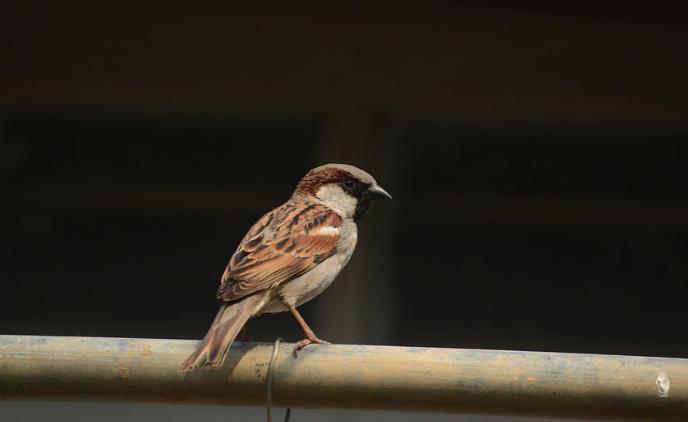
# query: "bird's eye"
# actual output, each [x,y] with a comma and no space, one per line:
[349,184]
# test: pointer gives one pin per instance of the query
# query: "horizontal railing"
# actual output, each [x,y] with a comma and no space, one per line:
[349,377]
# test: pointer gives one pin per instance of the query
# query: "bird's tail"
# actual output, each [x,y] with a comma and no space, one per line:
[212,351]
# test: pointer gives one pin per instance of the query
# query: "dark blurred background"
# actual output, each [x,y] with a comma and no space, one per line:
[536,154]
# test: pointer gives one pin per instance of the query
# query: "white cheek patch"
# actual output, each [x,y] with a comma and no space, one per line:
[334,197]
[325,231]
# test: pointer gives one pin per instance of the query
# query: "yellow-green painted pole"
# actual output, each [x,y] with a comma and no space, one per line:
[350,377]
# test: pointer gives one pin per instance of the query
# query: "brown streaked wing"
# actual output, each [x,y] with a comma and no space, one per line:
[283,244]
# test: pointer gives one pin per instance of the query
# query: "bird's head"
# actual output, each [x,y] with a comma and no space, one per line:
[346,189]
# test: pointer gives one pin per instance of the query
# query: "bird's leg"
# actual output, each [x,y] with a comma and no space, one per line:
[246,333]
[311,338]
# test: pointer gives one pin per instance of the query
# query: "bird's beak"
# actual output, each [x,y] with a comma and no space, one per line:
[375,193]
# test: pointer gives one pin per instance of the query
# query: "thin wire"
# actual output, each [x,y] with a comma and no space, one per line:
[268,383]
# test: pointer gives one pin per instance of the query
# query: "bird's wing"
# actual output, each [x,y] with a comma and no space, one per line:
[285,243]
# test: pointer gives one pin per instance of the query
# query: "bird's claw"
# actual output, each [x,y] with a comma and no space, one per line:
[305,342]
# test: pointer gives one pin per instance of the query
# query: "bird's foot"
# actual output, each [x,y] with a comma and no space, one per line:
[309,340]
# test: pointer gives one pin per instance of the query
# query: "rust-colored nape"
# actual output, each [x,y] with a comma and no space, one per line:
[320,176]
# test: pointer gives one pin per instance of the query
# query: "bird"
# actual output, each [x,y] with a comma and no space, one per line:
[289,256]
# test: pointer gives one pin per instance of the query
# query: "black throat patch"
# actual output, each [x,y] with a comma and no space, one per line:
[361,208]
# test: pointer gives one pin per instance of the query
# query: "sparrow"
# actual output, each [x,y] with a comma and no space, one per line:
[289,256]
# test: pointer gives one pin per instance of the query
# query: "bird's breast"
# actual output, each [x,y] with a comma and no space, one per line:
[307,286]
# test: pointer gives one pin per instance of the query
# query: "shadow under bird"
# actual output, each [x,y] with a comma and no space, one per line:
[289,256]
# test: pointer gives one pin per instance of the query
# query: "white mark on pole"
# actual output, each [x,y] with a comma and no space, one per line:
[663,384]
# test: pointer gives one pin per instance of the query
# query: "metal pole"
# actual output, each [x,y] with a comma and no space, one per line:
[351,377]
